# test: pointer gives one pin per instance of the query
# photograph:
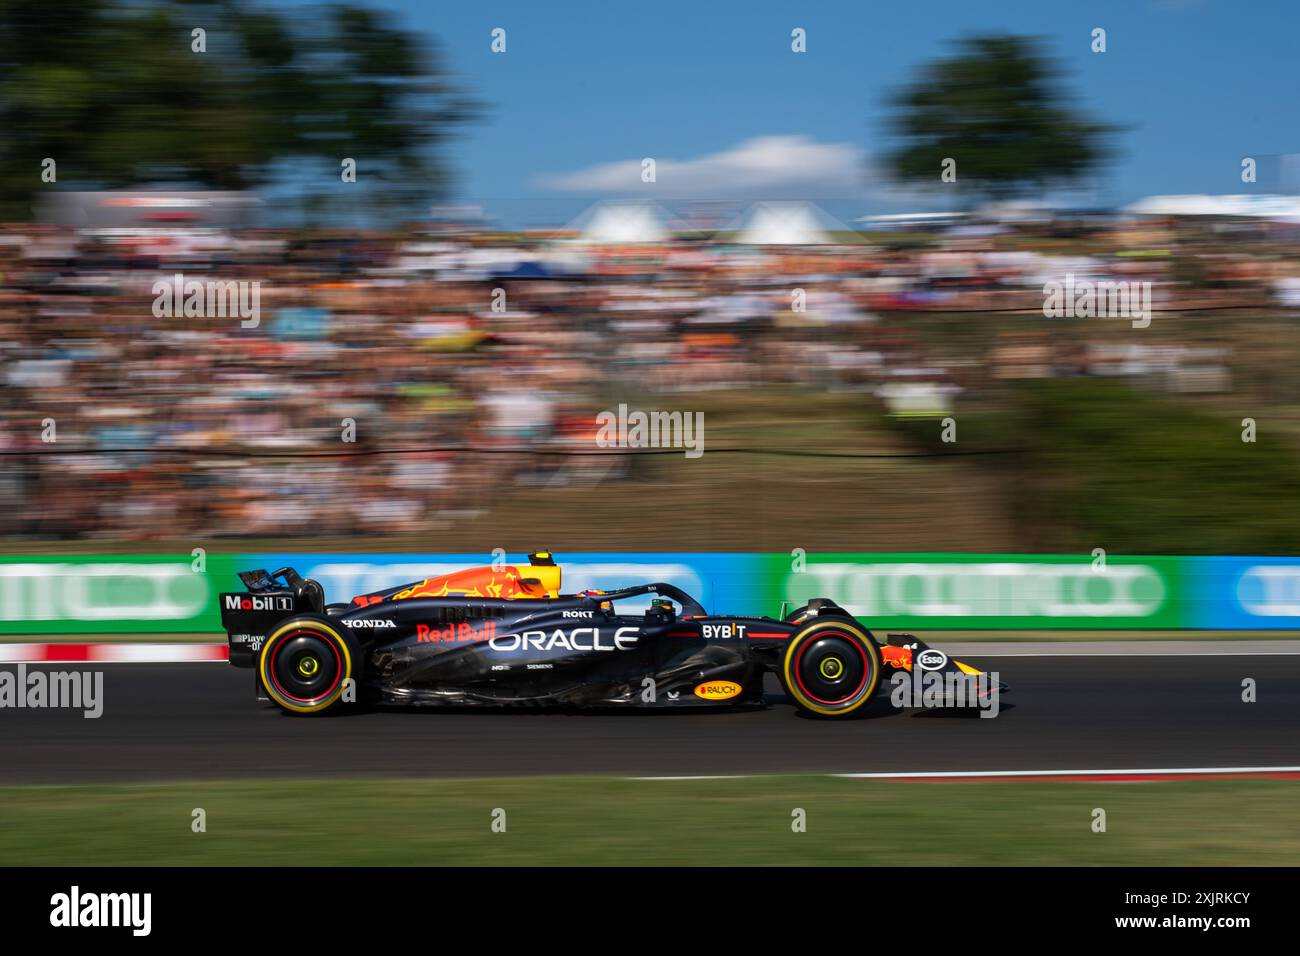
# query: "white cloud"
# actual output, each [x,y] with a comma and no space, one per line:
[764,167]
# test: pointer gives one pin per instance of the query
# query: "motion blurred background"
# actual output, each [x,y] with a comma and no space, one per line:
[459,234]
[827,308]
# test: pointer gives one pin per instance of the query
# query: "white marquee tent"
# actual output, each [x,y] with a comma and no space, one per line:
[786,224]
[617,222]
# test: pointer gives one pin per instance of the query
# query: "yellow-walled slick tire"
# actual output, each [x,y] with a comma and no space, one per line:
[831,668]
[305,666]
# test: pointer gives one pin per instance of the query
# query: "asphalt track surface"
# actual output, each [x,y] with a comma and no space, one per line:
[200,721]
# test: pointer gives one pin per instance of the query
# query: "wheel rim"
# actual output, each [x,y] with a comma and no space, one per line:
[305,666]
[832,668]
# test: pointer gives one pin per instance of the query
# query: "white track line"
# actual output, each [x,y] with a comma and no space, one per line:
[976,774]
[1168,771]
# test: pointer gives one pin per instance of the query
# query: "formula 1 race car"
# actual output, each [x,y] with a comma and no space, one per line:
[506,636]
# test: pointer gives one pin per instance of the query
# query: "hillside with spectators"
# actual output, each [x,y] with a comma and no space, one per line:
[472,365]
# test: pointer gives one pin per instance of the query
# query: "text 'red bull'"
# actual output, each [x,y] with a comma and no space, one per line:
[464,631]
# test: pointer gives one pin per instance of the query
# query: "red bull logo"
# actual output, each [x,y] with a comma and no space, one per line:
[476,582]
[464,631]
[899,658]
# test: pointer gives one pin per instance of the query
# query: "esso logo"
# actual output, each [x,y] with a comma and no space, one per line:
[931,660]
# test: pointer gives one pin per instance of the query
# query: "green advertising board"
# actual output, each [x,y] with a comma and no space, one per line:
[151,594]
[105,594]
[978,591]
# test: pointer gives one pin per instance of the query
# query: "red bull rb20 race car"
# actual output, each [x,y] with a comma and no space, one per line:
[507,636]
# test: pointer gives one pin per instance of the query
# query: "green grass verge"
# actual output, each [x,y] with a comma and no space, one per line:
[606,821]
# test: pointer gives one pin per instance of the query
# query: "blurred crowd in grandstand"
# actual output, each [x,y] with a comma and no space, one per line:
[452,342]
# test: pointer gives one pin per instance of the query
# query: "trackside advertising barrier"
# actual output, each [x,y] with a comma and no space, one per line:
[150,594]
[1006,592]
[113,593]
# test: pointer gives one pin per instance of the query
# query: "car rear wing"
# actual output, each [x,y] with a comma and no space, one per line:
[249,616]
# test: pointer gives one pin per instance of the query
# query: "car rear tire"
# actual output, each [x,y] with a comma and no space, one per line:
[306,666]
[831,668]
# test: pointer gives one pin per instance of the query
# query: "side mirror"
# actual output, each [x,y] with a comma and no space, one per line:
[661,611]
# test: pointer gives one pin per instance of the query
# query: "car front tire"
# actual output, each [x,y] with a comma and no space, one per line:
[831,668]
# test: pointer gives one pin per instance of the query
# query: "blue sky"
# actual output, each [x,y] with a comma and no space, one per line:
[709,88]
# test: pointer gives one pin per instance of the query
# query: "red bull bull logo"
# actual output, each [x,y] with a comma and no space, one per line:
[486,582]
[899,658]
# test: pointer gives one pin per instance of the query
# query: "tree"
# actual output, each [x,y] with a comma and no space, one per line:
[998,110]
[114,92]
